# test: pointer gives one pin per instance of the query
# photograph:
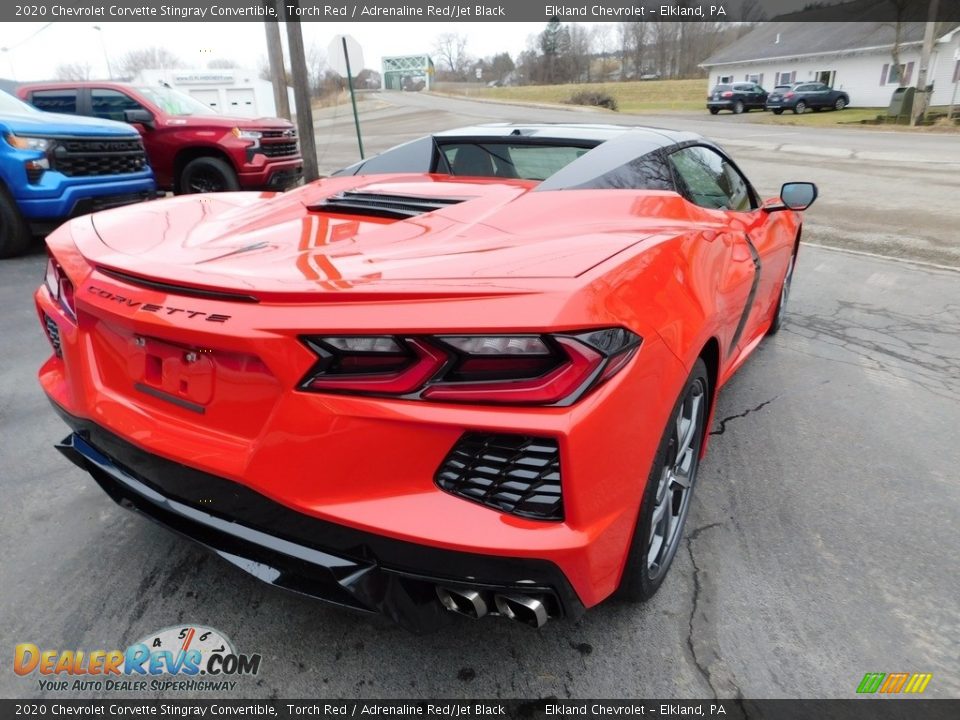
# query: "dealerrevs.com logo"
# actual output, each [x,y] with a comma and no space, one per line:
[181,658]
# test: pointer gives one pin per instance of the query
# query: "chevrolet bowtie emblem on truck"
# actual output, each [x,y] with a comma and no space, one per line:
[154,308]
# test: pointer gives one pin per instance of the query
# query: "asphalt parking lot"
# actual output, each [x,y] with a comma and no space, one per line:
[822,540]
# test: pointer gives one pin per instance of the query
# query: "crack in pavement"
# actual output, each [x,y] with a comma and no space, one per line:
[702,666]
[723,423]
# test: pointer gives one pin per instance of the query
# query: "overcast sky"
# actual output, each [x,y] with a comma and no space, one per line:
[35,58]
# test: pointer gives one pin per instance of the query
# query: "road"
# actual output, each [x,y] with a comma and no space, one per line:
[822,540]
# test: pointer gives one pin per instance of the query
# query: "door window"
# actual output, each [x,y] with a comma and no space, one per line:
[60,101]
[111,104]
[710,180]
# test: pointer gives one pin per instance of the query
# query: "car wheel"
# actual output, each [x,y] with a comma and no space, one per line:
[207,174]
[840,104]
[666,499]
[781,311]
[799,107]
[737,107]
[714,111]
[15,236]
[777,111]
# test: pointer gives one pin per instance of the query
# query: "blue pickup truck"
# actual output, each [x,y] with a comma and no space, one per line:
[53,167]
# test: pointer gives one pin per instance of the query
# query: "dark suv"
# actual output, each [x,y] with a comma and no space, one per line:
[800,97]
[736,97]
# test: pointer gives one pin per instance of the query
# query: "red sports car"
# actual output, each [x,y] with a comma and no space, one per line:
[472,374]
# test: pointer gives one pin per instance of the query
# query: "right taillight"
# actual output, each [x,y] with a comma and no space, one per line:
[728,94]
[789,95]
[523,369]
[60,287]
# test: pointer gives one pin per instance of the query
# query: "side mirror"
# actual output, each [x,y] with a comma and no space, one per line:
[794,196]
[138,116]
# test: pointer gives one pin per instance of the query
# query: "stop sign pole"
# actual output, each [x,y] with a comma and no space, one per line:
[353,96]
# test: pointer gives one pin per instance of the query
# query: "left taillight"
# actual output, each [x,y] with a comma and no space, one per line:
[60,287]
[522,369]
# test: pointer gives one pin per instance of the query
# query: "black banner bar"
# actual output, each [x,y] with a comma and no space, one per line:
[481,11]
[853,709]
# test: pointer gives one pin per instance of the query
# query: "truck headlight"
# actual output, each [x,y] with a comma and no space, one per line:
[251,135]
[24,142]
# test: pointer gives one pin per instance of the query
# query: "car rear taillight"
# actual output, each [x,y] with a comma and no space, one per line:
[528,369]
[728,94]
[59,286]
[789,95]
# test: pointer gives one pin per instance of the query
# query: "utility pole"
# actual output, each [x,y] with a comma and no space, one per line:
[301,93]
[278,75]
[922,99]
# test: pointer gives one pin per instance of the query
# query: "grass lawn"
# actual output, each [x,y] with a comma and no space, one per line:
[632,97]
[818,119]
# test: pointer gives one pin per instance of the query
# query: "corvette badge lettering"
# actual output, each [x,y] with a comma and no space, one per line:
[152,307]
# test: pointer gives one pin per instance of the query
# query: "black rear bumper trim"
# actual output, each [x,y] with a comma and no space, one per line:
[335,563]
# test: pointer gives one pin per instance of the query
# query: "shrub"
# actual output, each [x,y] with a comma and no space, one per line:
[598,98]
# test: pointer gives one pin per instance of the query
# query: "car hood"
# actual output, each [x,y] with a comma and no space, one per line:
[47,123]
[291,243]
[229,121]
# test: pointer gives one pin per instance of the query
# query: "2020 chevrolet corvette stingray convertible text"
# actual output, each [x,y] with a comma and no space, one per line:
[474,373]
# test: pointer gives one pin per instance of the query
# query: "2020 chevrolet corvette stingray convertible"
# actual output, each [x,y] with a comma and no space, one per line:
[473,374]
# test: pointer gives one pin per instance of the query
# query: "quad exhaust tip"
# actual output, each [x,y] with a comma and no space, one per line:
[464,602]
[527,609]
[523,608]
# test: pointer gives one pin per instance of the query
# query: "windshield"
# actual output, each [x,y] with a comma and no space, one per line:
[175,103]
[9,105]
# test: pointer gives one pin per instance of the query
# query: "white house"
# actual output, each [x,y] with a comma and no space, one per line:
[856,57]
[229,91]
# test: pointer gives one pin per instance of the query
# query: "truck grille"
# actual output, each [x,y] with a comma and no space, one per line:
[280,149]
[516,474]
[85,157]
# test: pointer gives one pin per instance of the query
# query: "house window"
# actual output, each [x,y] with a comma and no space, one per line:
[724,79]
[894,74]
[826,77]
[787,78]
[754,78]
[956,72]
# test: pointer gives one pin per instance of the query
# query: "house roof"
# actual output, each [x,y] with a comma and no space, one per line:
[775,40]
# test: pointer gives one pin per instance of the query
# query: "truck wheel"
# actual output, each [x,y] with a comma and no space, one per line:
[207,174]
[15,235]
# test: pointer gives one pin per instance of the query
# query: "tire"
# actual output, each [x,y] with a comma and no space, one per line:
[207,174]
[738,107]
[780,314]
[714,111]
[777,111]
[840,104]
[650,554]
[15,236]
[799,108]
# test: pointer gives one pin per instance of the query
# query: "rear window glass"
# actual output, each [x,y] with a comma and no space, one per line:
[505,160]
[61,101]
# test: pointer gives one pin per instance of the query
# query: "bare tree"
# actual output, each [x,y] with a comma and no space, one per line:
[633,42]
[451,50]
[72,71]
[151,58]
[222,64]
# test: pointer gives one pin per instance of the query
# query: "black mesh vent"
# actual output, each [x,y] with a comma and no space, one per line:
[513,473]
[279,149]
[98,156]
[53,332]
[383,205]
